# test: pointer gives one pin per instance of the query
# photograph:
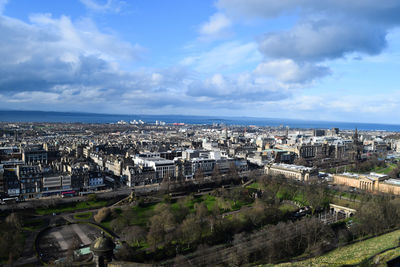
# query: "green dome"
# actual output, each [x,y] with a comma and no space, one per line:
[102,244]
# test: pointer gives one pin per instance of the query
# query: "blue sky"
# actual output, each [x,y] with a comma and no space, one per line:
[308,59]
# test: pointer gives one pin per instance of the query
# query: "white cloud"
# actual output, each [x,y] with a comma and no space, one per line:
[34,96]
[383,11]
[224,57]
[113,6]
[83,37]
[346,107]
[324,30]
[322,39]
[53,62]
[238,89]
[216,28]
[58,63]
[3,3]
[288,71]
[48,51]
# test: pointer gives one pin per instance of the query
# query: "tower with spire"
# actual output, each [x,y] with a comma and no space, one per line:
[357,147]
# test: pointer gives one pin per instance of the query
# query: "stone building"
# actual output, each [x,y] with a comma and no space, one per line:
[114,165]
[31,180]
[34,154]
[372,182]
[139,175]
[164,168]
[290,171]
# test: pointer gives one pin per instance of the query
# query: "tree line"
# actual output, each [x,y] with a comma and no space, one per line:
[11,239]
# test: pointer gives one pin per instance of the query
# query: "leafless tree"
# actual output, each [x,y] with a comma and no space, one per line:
[134,234]
[14,220]
[199,176]
[181,261]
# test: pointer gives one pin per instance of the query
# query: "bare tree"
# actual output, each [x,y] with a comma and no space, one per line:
[119,223]
[156,232]
[301,161]
[162,223]
[216,175]
[181,261]
[199,176]
[14,220]
[190,230]
[233,172]
[134,234]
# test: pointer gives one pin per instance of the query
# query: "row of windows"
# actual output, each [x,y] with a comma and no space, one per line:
[288,174]
[30,180]
[29,190]
[95,183]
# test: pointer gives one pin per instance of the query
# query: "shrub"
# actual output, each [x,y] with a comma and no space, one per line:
[102,215]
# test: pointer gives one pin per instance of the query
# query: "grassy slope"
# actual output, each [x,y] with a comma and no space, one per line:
[73,207]
[354,253]
[381,259]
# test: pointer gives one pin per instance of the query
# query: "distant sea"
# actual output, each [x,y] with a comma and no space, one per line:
[47,116]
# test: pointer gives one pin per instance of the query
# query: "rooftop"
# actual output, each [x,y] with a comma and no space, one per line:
[393,181]
[292,167]
[371,176]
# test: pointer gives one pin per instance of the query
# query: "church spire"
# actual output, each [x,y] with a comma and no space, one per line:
[355,135]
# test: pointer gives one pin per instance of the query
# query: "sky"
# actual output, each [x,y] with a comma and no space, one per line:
[332,60]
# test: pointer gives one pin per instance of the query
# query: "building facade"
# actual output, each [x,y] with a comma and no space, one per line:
[139,175]
[372,182]
[296,172]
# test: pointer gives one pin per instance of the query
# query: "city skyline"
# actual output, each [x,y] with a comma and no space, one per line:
[334,61]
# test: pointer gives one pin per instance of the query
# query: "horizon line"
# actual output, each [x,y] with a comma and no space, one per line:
[209,116]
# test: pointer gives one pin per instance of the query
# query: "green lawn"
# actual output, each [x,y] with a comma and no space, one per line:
[33,225]
[283,194]
[72,207]
[301,199]
[345,194]
[354,253]
[142,214]
[381,259]
[255,186]
[106,224]
[209,201]
[83,216]
[386,169]
[288,208]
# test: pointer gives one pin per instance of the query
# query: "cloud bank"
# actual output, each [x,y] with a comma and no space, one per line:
[324,29]
[57,63]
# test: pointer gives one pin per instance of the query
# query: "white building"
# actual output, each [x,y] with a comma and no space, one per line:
[291,171]
[164,168]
